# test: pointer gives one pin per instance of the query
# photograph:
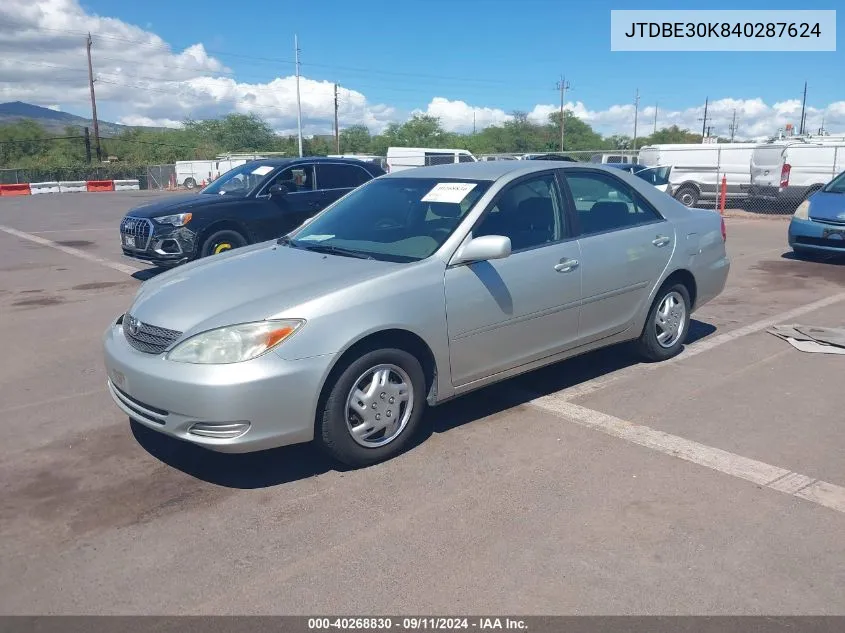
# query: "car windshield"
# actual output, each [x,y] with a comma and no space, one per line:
[238,182]
[391,219]
[837,185]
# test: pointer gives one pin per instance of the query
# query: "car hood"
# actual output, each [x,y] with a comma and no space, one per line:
[827,206]
[247,284]
[176,204]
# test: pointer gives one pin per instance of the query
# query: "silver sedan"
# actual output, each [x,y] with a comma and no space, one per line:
[413,289]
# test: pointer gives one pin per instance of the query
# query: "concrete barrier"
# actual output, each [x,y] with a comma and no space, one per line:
[15,190]
[44,187]
[73,186]
[100,185]
[126,185]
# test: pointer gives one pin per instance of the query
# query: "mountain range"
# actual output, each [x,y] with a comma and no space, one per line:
[54,121]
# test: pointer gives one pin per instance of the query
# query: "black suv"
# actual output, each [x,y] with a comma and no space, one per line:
[258,201]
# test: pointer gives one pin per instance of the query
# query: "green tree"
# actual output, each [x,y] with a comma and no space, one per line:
[355,139]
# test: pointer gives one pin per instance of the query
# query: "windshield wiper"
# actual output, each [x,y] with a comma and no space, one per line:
[334,250]
[284,241]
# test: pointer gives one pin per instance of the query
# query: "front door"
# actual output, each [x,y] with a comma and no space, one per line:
[625,246]
[301,201]
[508,312]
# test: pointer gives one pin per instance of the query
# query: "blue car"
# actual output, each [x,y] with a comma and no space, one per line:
[818,225]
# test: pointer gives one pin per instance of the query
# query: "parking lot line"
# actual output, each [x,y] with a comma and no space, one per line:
[591,386]
[43,241]
[773,477]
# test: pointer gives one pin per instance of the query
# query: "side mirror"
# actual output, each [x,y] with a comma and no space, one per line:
[277,191]
[484,248]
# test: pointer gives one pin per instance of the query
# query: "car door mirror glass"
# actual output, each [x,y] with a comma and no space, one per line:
[485,248]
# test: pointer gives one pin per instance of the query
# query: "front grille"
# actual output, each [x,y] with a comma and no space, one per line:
[147,338]
[136,233]
[828,221]
[136,409]
[820,241]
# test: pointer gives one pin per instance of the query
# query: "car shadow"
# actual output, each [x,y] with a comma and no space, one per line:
[820,258]
[148,273]
[287,464]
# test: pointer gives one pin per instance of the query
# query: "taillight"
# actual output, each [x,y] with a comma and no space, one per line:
[724,231]
[784,174]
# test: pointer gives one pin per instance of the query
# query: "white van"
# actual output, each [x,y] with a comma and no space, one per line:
[399,158]
[698,168]
[787,171]
[613,159]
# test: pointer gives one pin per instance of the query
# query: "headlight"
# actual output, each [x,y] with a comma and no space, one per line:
[803,211]
[177,219]
[234,343]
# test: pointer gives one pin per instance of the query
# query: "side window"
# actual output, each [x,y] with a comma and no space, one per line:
[297,178]
[528,212]
[337,176]
[463,158]
[439,158]
[604,203]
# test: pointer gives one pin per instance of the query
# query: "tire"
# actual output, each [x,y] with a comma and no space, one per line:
[649,344]
[221,241]
[338,414]
[190,183]
[687,195]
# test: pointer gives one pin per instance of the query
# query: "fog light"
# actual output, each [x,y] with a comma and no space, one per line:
[220,430]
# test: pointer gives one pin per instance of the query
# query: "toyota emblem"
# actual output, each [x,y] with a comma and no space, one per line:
[134,326]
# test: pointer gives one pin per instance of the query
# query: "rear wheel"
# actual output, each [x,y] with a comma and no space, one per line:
[190,183]
[687,195]
[222,241]
[667,324]
[373,408]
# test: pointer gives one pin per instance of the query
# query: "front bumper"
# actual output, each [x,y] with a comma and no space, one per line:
[274,399]
[159,244]
[810,235]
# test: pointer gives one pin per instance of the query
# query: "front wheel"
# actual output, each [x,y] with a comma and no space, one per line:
[222,241]
[373,408]
[667,324]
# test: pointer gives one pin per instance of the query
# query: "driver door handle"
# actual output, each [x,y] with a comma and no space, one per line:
[661,240]
[566,265]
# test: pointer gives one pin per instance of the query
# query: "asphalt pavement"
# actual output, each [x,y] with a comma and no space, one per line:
[712,484]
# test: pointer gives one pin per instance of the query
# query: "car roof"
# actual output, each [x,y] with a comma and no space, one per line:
[279,162]
[490,170]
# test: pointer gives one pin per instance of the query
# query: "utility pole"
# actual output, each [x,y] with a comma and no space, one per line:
[803,107]
[93,101]
[298,102]
[563,86]
[636,115]
[655,118]
[473,121]
[733,126]
[704,124]
[87,140]
[336,128]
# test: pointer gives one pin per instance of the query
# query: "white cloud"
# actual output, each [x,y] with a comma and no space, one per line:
[143,80]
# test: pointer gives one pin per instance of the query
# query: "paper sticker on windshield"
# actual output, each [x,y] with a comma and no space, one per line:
[453,192]
[263,170]
[315,238]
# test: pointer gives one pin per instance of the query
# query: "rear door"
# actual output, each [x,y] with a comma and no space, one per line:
[766,163]
[335,180]
[625,246]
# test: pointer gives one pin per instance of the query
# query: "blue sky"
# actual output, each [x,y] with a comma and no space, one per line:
[498,53]
[158,62]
